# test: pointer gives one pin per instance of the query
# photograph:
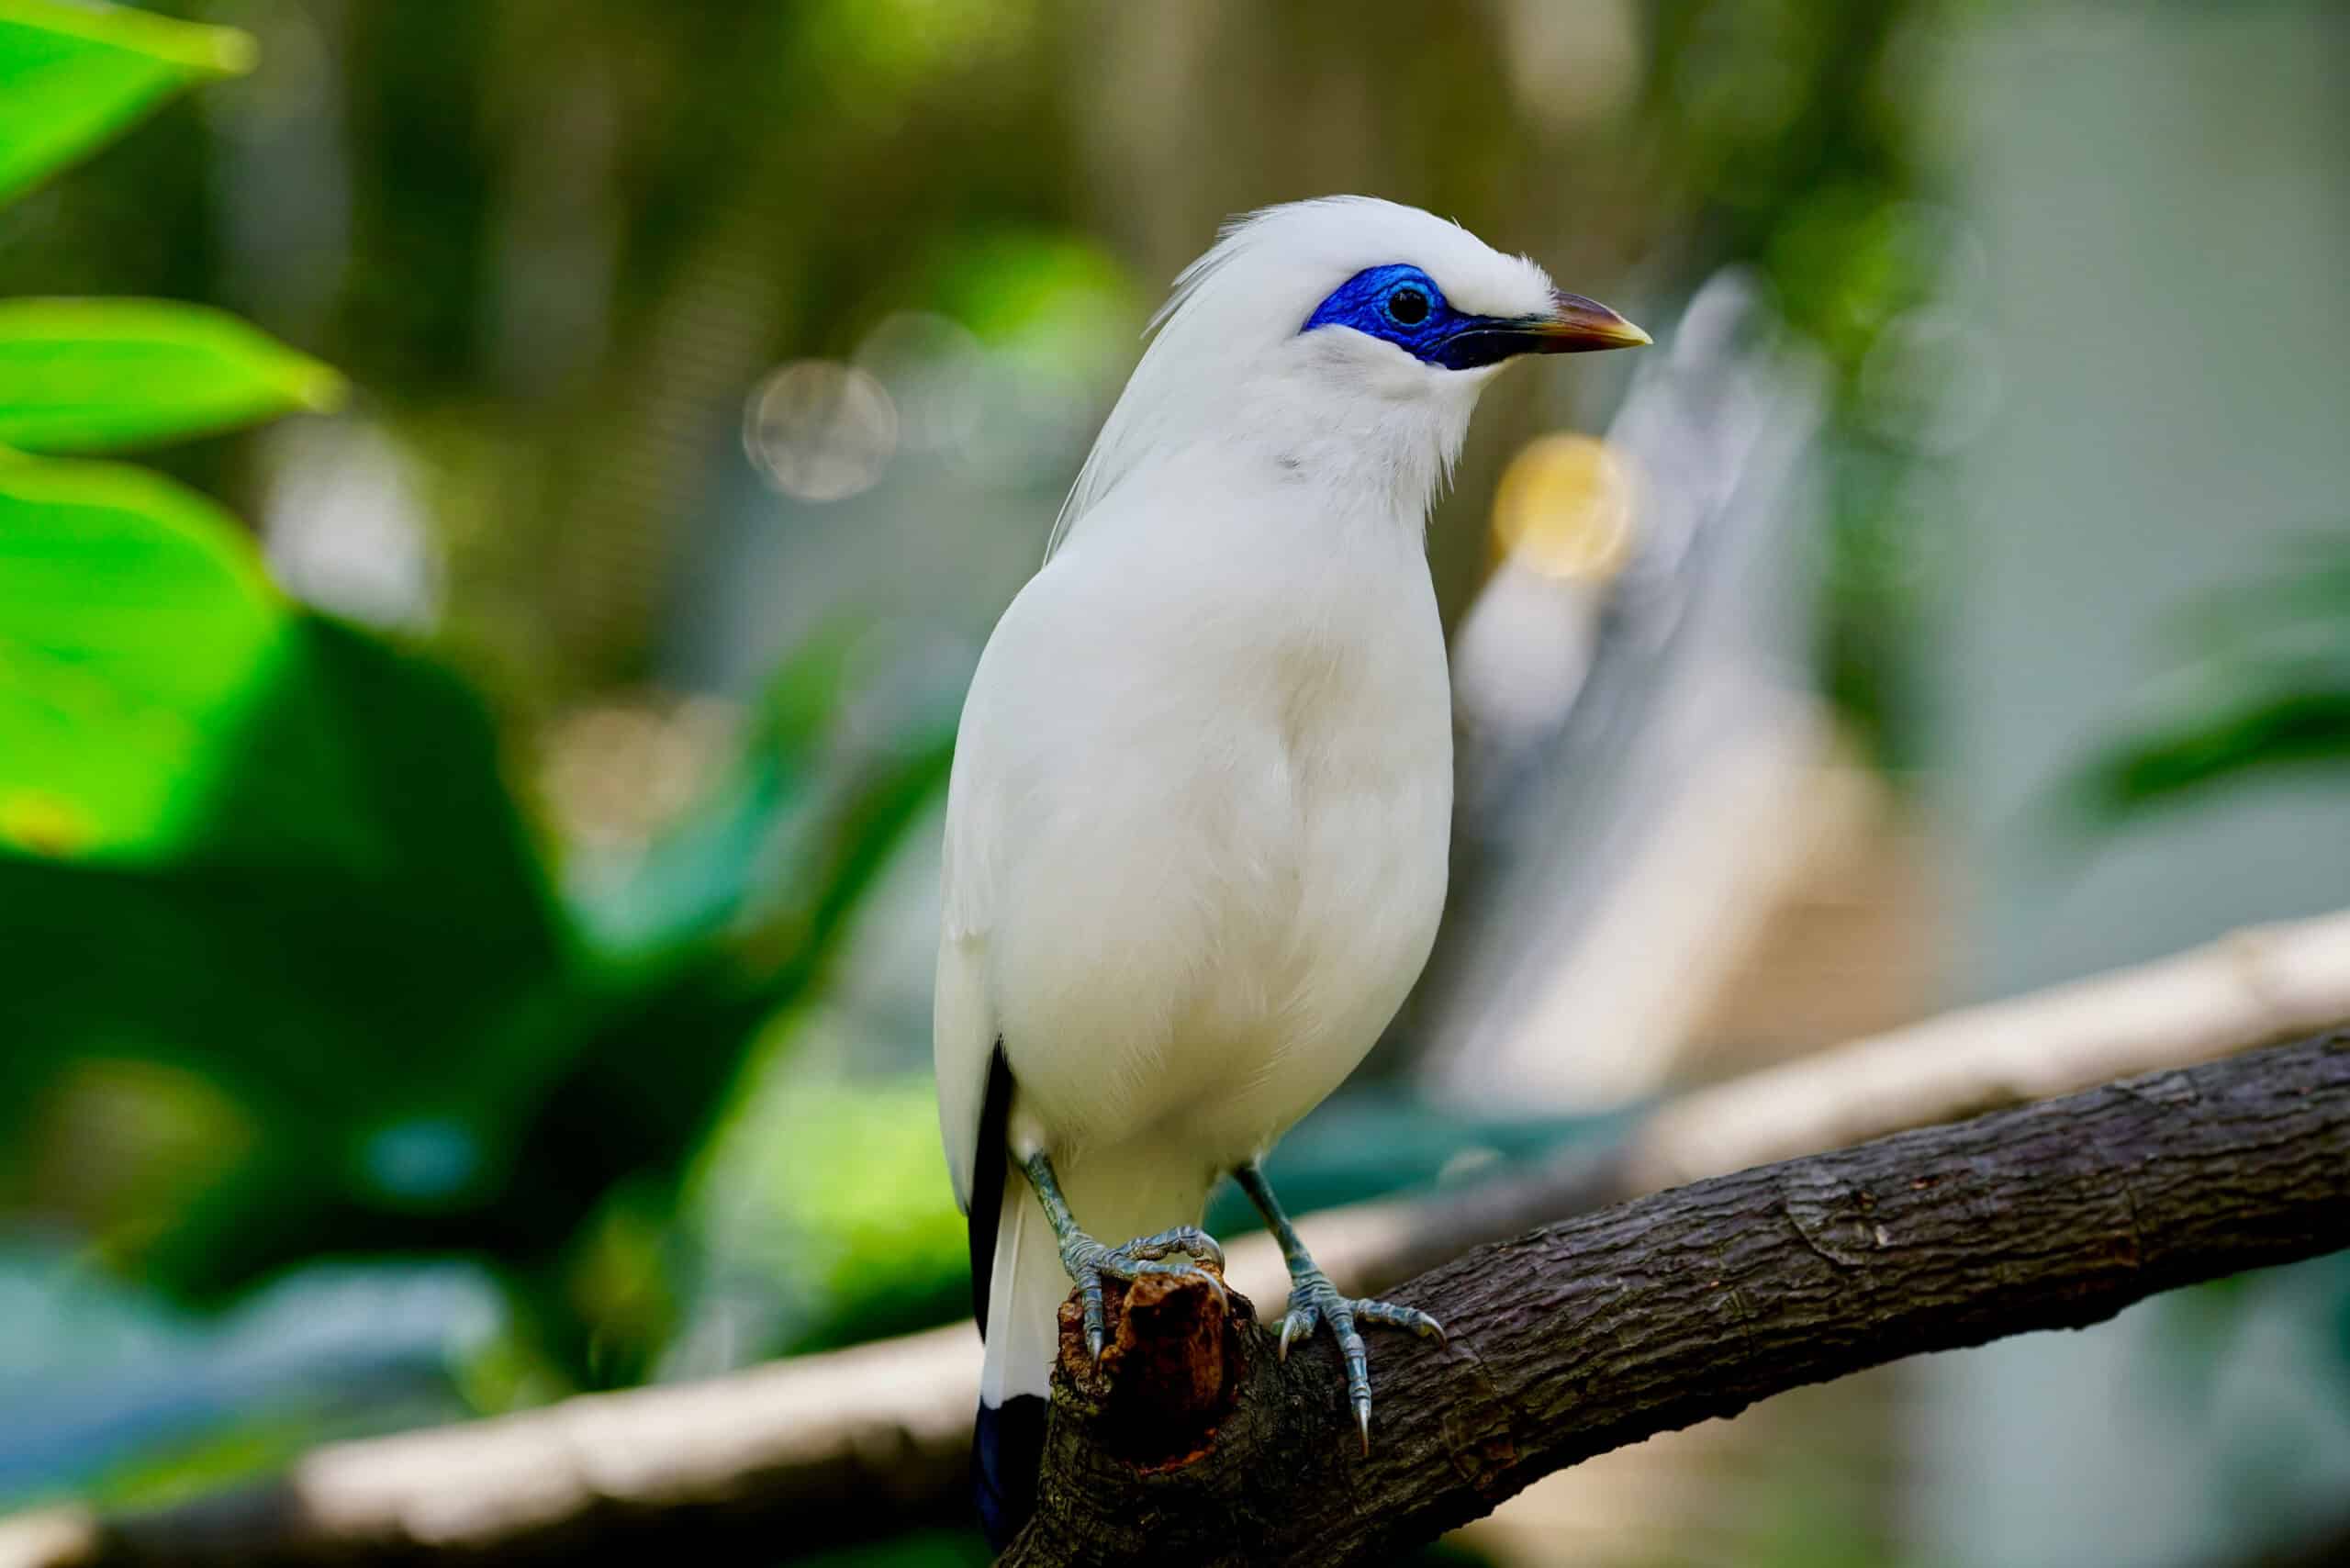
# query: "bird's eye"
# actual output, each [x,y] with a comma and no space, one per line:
[1408,305]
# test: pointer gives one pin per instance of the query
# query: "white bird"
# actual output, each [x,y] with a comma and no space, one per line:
[1197,830]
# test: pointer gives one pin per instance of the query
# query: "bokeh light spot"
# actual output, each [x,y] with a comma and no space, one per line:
[426,1161]
[1929,384]
[819,430]
[1564,509]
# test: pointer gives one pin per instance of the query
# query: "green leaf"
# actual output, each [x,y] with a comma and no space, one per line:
[2269,691]
[348,934]
[242,839]
[2267,733]
[94,375]
[135,625]
[74,76]
[351,937]
[836,1260]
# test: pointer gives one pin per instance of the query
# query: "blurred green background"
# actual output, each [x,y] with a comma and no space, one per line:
[498,503]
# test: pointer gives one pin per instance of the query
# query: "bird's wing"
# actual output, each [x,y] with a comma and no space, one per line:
[963,1034]
[1050,671]
[964,1027]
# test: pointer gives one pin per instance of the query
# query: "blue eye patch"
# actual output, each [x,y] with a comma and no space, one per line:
[1400,304]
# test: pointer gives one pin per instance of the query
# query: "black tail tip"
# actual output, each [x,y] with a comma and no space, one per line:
[1007,1450]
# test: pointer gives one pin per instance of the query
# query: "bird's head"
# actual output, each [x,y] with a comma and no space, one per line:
[1341,343]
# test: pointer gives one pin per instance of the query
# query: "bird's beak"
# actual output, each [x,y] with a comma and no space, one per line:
[1577,325]
[1573,325]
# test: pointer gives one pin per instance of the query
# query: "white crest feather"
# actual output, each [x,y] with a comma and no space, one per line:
[1255,288]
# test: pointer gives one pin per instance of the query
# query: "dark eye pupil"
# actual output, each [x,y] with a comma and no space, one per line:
[1408,305]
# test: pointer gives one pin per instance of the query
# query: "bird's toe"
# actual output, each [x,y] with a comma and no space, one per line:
[1188,1239]
[1315,1302]
[1390,1315]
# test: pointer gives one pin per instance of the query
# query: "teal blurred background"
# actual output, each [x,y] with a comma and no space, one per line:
[468,816]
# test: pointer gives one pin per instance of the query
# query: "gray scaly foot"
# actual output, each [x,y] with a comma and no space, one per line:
[1089,1262]
[1314,1301]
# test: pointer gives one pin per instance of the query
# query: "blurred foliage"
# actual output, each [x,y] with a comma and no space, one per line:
[2270,691]
[91,1361]
[64,363]
[71,77]
[1799,127]
[293,967]
[250,841]
[2266,697]
[919,1548]
[812,1255]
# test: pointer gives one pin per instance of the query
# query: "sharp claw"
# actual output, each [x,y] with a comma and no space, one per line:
[1289,1332]
[1362,1421]
[1094,1343]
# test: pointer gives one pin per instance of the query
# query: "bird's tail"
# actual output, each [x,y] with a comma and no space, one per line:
[1024,1293]
[1113,1201]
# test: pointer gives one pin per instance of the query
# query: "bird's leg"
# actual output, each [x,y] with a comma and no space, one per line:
[1088,1260]
[1314,1300]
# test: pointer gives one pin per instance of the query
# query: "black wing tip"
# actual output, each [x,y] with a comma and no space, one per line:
[1007,1452]
[1008,1439]
[987,1171]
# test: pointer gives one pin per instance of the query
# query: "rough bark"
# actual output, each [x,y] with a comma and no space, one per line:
[1694,1303]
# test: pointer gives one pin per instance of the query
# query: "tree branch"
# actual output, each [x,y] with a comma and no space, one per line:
[790,1456]
[838,1446]
[2259,986]
[1692,1304]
